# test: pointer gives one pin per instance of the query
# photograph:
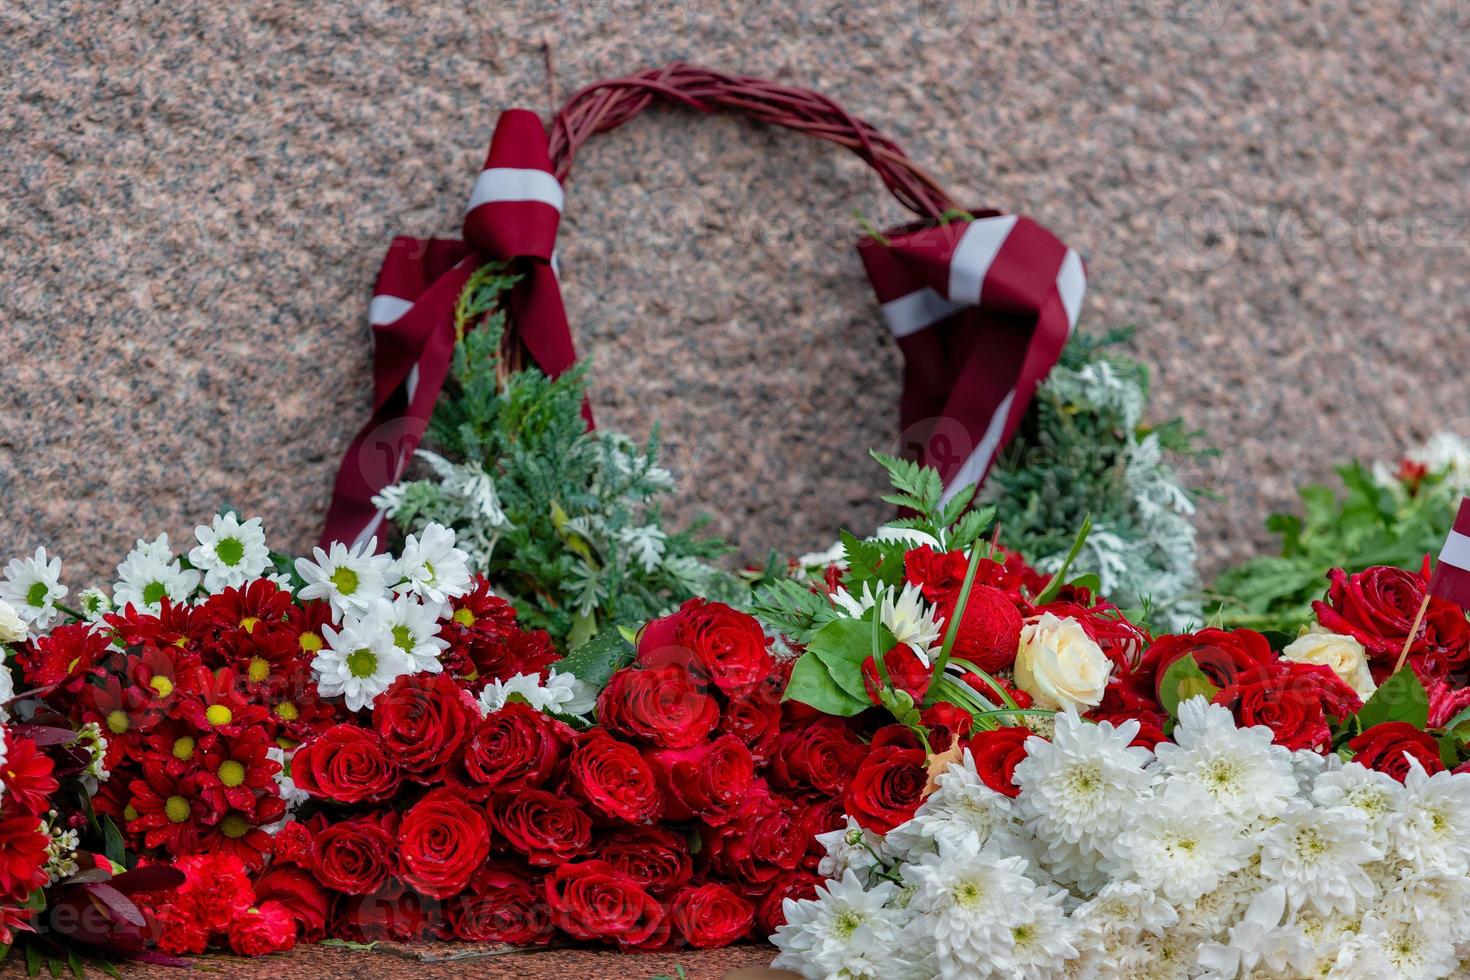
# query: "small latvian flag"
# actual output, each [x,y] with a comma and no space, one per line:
[1452,575]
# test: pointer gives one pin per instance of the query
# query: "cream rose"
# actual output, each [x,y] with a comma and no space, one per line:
[1059,665]
[1343,654]
[12,628]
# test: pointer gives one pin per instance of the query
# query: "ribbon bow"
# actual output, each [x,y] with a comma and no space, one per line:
[512,217]
[981,310]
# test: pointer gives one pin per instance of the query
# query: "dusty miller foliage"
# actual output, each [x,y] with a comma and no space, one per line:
[565,523]
[1085,449]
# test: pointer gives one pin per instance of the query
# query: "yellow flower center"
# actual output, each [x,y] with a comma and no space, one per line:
[234,825]
[161,685]
[218,714]
[286,711]
[176,808]
[184,748]
[259,670]
[464,617]
[310,642]
[130,814]
[231,773]
[117,721]
[248,623]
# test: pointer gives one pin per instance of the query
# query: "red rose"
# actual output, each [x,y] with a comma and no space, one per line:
[267,929]
[1377,606]
[354,856]
[823,755]
[656,858]
[442,840]
[345,764]
[1294,701]
[795,885]
[888,787]
[1445,702]
[591,900]
[501,907]
[906,672]
[296,891]
[546,828]
[664,705]
[768,836]
[938,574]
[423,719]
[1222,656]
[755,719]
[727,646]
[708,781]
[392,912]
[1387,748]
[514,748]
[711,915]
[990,629]
[615,778]
[997,753]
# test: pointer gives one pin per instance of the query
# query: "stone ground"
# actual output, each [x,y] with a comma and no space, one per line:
[194,199]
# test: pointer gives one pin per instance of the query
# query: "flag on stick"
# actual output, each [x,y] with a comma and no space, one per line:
[1451,579]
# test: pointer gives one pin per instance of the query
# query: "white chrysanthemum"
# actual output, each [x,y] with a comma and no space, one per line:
[1182,845]
[359,662]
[351,579]
[1432,827]
[961,814]
[971,901]
[149,573]
[1318,857]
[904,613]
[1126,905]
[1042,938]
[1437,902]
[4,751]
[1077,792]
[843,924]
[1373,795]
[230,553]
[414,628]
[1248,776]
[1411,951]
[292,795]
[94,604]
[32,586]
[561,694]
[1258,941]
[851,847]
[432,567]
[1212,913]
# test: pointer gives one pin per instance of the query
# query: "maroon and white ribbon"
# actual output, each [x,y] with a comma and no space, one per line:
[981,310]
[512,217]
[1451,578]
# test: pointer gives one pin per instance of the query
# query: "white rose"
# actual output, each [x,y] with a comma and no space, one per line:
[12,627]
[1059,665]
[1343,654]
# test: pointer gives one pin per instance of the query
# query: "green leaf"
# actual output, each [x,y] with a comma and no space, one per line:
[1182,681]
[812,684]
[958,614]
[1055,585]
[842,645]
[1400,698]
[1459,726]
[1449,750]
[349,944]
[113,845]
[33,960]
[598,659]
[74,963]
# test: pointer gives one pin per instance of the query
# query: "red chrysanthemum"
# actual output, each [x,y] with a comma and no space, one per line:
[171,809]
[215,703]
[27,776]
[486,643]
[64,657]
[173,625]
[22,856]
[242,770]
[239,834]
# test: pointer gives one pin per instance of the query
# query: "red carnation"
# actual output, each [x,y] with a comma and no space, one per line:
[423,719]
[216,889]
[591,900]
[548,829]
[997,753]
[268,929]
[614,778]
[888,787]
[1387,748]
[938,574]
[354,856]
[299,894]
[441,840]
[727,646]
[345,764]
[711,915]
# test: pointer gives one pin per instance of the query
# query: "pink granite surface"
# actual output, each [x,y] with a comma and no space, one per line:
[194,198]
